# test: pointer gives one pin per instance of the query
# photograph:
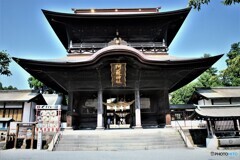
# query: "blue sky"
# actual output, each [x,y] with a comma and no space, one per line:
[25,32]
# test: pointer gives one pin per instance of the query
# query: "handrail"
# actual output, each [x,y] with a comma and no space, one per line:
[185,138]
[55,140]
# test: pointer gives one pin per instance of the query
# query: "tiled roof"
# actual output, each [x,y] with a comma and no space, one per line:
[17,95]
[218,111]
[219,92]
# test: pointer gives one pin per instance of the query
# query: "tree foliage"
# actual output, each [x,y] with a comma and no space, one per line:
[231,75]
[196,4]
[5,60]
[182,95]
[209,78]
[7,88]
[38,85]
[35,83]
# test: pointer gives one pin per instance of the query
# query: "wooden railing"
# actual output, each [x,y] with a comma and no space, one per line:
[184,137]
[93,47]
[55,141]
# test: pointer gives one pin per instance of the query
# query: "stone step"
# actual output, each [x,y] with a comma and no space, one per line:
[118,148]
[120,140]
[118,137]
[100,143]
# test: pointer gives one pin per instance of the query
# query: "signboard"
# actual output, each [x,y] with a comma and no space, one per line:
[48,106]
[118,73]
[25,132]
[48,117]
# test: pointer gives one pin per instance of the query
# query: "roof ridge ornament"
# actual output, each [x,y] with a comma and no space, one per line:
[117,40]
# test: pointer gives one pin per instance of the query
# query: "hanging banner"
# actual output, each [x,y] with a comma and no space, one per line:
[118,73]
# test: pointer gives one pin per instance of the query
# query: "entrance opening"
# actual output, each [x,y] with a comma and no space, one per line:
[119,113]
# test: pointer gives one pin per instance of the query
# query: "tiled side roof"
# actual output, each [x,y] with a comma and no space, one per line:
[17,95]
[221,92]
[218,111]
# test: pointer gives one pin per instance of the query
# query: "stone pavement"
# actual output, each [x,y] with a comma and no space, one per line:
[160,154]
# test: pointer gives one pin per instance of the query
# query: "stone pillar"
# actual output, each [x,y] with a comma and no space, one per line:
[211,141]
[138,123]
[100,110]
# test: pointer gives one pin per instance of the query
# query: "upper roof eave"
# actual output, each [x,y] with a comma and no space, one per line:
[62,24]
[127,15]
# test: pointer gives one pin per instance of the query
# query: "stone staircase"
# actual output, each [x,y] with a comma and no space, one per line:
[122,139]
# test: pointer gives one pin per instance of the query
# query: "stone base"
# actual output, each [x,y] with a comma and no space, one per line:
[100,128]
[137,127]
[212,143]
[68,129]
[168,126]
[126,126]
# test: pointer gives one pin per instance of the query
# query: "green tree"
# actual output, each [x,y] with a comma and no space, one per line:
[5,60]
[182,95]
[7,88]
[209,78]
[231,75]
[196,4]
[35,83]
[38,85]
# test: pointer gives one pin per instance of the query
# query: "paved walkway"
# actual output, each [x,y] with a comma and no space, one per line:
[163,154]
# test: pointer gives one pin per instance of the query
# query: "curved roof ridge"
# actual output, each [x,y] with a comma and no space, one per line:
[116,50]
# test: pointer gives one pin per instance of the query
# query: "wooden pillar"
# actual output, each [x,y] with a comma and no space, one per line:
[16,136]
[100,110]
[166,108]
[211,128]
[138,123]
[168,119]
[208,129]
[70,107]
[236,127]
[33,135]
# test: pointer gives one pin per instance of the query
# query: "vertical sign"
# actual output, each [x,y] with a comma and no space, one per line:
[118,73]
[39,138]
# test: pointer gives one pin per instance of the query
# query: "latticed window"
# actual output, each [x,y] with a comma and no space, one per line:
[14,113]
[1,113]
[224,125]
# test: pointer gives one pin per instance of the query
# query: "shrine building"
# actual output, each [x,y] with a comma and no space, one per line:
[117,69]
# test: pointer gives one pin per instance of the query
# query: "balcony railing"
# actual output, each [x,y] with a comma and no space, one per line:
[93,47]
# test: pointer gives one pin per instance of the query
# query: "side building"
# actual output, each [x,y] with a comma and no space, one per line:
[220,108]
[20,106]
